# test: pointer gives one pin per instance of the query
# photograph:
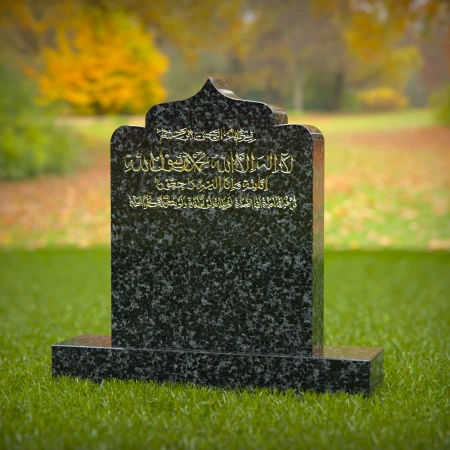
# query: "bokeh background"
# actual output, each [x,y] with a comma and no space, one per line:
[372,75]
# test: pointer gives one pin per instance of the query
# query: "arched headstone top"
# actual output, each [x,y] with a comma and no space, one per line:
[215,106]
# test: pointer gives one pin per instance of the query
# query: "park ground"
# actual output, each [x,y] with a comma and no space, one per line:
[387,284]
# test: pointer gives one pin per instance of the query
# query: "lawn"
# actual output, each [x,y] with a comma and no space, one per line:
[395,299]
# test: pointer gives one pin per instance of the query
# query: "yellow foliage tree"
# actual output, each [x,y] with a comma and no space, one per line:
[98,63]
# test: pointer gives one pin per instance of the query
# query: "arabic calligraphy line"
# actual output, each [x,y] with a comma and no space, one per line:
[217,184]
[220,134]
[232,162]
[212,202]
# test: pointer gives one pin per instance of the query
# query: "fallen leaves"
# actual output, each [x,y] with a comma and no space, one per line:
[57,210]
[388,189]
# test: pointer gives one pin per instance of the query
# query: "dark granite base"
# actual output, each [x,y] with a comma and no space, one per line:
[333,369]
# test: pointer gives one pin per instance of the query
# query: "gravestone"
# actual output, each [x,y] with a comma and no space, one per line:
[217,254]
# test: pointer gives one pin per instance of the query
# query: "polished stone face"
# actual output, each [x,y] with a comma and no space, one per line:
[217,229]
[349,369]
[217,255]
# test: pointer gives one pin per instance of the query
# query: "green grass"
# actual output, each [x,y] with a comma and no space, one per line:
[398,300]
[101,128]
[332,123]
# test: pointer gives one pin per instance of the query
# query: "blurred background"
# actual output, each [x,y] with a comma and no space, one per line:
[372,75]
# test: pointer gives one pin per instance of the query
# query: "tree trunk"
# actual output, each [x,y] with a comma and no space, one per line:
[297,98]
[338,91]
[273,94]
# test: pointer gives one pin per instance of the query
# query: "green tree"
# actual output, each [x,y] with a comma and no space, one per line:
[30,142]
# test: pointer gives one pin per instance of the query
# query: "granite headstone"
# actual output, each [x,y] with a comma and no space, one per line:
[217,254]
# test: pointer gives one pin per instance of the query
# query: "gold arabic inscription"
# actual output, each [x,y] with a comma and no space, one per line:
[211,202]
[232,162]
[217,184]
[220,134]
[199,162]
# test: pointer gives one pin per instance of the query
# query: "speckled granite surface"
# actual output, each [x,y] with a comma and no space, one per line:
[232,280]
[337,369]
[217,252]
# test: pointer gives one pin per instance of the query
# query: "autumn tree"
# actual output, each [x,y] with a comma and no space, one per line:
[106,55]
[333,47]
[285,48]
[200,39]
[292,52]
[97,63]
[189,25]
